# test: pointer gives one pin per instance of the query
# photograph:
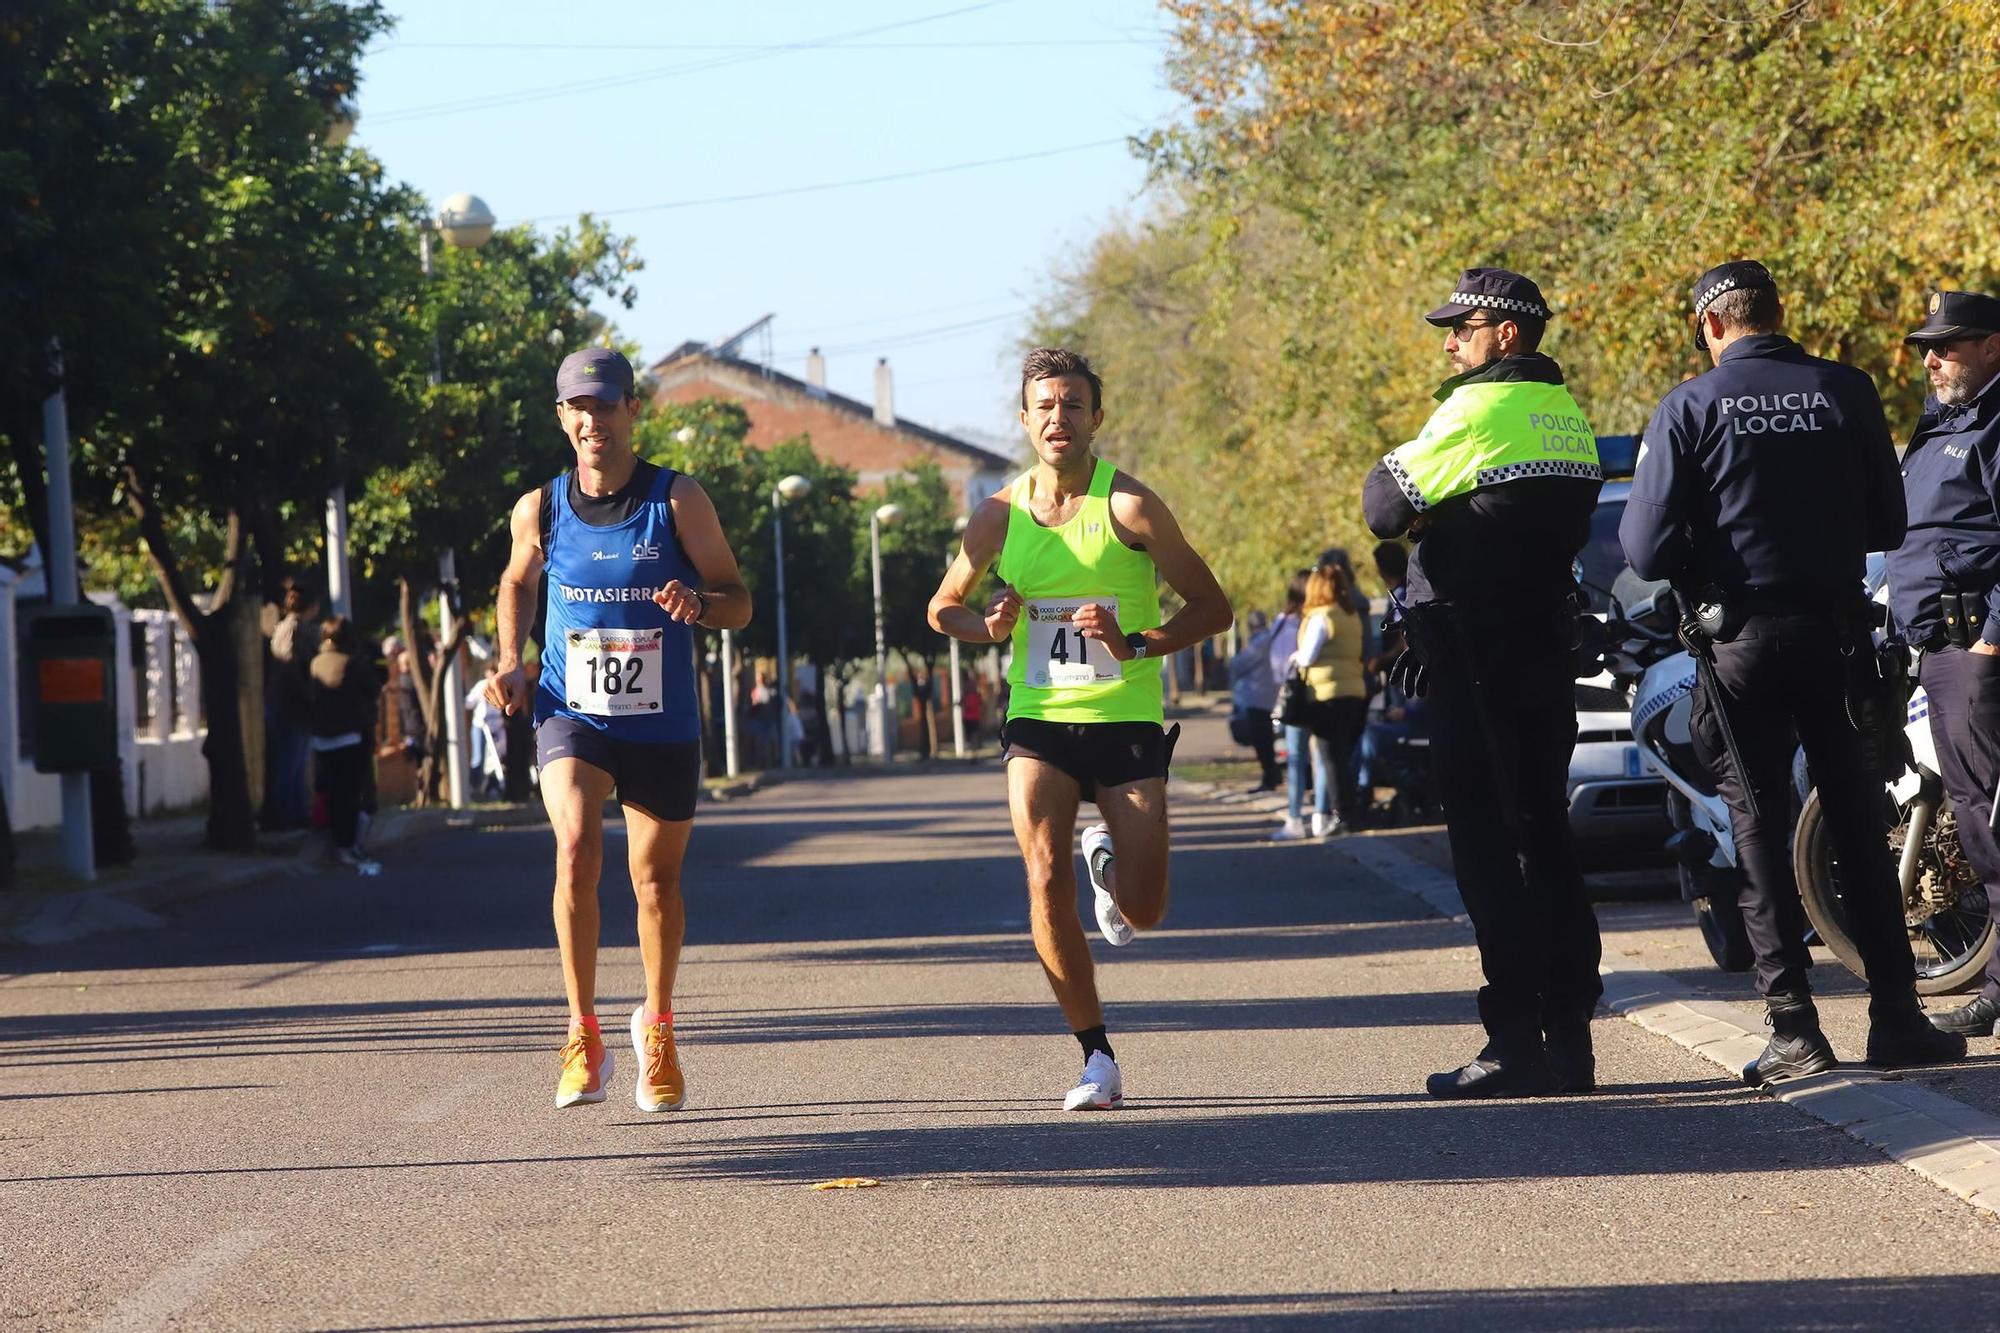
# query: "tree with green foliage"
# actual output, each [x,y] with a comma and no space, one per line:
[915,550]
[708,439]
[1340,161]
[218,280]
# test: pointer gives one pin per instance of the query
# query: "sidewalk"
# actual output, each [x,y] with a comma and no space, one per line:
[1941,1122]
[172,867]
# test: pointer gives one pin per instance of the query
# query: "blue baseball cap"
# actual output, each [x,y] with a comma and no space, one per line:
[595,372]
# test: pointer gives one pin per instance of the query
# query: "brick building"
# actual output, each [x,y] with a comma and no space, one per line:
[871,439]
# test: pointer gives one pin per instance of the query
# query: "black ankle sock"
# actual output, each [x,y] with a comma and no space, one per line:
[1092,1039]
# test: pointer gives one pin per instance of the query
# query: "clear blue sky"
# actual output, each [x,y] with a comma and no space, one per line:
[550,110]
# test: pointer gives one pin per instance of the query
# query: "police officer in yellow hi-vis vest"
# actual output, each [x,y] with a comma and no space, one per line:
[1081,548]
[1498,490]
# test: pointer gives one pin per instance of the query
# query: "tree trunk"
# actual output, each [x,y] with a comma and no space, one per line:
[6,844]
[920,692]
[417,662]
[230,824]
[824,740]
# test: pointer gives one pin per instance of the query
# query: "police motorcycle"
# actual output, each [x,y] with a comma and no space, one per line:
[1945,907]
[1951,926]
[1643,655]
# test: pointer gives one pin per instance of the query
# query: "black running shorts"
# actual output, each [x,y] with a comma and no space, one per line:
[661,778]
[1096,754]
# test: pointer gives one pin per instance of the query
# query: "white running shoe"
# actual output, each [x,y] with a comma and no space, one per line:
[1290,831]
[1322,824]
[1111,922]
[1100,1088]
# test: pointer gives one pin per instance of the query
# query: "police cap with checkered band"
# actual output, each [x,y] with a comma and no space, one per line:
[1508,295]
[1735,276]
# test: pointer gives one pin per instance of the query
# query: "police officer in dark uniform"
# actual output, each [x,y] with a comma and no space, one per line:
[1498,491]
[1761,487]
[1944,583]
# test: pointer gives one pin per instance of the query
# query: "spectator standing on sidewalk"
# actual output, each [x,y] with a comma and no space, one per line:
[1283,643]
[1329,659]
[1253,690]
[343,690]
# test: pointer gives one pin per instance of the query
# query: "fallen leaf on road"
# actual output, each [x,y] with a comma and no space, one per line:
[847,1183]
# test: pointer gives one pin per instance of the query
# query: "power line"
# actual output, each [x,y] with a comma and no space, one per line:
[574,88]
[835,185]
[847,325]
[914,337]
[771,47]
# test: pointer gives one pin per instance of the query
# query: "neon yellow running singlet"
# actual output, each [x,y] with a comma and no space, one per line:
[1057,675]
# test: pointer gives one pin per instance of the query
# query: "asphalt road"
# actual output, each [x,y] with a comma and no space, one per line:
[326,1103]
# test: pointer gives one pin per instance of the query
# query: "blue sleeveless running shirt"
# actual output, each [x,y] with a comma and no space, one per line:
[611,658]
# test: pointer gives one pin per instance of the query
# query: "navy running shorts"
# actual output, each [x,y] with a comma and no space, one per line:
[661,778]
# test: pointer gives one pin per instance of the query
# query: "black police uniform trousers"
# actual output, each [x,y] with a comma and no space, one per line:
[1502,707]
[1783,674]
[1963,689]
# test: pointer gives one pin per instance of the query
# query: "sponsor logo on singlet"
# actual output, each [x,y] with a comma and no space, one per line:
[569,594]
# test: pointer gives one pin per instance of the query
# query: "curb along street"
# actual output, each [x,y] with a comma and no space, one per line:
[1954,1146]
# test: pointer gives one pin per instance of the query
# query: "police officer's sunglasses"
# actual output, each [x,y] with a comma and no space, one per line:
[1468,324]
[1943,346]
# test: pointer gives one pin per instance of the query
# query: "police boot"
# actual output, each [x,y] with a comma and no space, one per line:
[1572,1064]
[1797,1046]
[1518,1068]
[1899,1034]
[1972,1019]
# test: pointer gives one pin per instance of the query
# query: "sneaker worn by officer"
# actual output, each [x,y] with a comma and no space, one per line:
[1572,1063]
[1797,1046]
[1519,1070]
[1973,1019]
[1899,1034]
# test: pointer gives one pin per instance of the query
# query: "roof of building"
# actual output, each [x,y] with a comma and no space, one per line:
[980,456]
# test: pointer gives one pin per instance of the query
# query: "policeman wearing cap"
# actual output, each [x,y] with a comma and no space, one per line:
[1761,487]
[1944,582]
[1498,490]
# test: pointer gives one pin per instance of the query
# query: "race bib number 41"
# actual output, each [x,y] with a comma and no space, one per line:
[613,672]
[1057,654]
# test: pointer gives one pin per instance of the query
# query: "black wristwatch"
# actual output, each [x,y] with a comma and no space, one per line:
[1137,643]
[702,614]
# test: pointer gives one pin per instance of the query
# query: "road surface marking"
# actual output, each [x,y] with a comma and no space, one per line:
[172,1291]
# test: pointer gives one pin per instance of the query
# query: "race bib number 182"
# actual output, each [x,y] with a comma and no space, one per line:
[1057,654]
[613,672]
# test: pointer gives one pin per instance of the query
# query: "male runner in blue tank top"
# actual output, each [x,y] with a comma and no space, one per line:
[635,555]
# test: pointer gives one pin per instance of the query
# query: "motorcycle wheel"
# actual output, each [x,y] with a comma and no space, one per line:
[1951,947]
[1714,892]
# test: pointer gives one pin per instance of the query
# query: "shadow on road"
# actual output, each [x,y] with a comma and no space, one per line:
[1639,1308]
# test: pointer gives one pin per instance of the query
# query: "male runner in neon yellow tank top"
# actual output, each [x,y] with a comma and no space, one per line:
[1080,547]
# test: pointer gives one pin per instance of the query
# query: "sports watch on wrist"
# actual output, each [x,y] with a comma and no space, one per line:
[702,614]
[1137,643]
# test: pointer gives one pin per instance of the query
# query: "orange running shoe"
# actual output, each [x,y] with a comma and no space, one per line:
[586,1068]
[659,1086]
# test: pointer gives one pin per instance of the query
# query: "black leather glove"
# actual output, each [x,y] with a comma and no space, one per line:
[1410,674]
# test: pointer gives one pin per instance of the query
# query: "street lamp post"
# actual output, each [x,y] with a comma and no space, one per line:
[884,516]
[791,488]
[957,705]
[466,223]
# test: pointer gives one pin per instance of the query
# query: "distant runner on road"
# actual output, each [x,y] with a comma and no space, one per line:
[635,555]
[1080,547]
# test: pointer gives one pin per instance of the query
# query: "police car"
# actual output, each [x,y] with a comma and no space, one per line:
[1615,804]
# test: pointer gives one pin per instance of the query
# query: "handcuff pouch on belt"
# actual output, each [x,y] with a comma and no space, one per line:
[1964,616]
